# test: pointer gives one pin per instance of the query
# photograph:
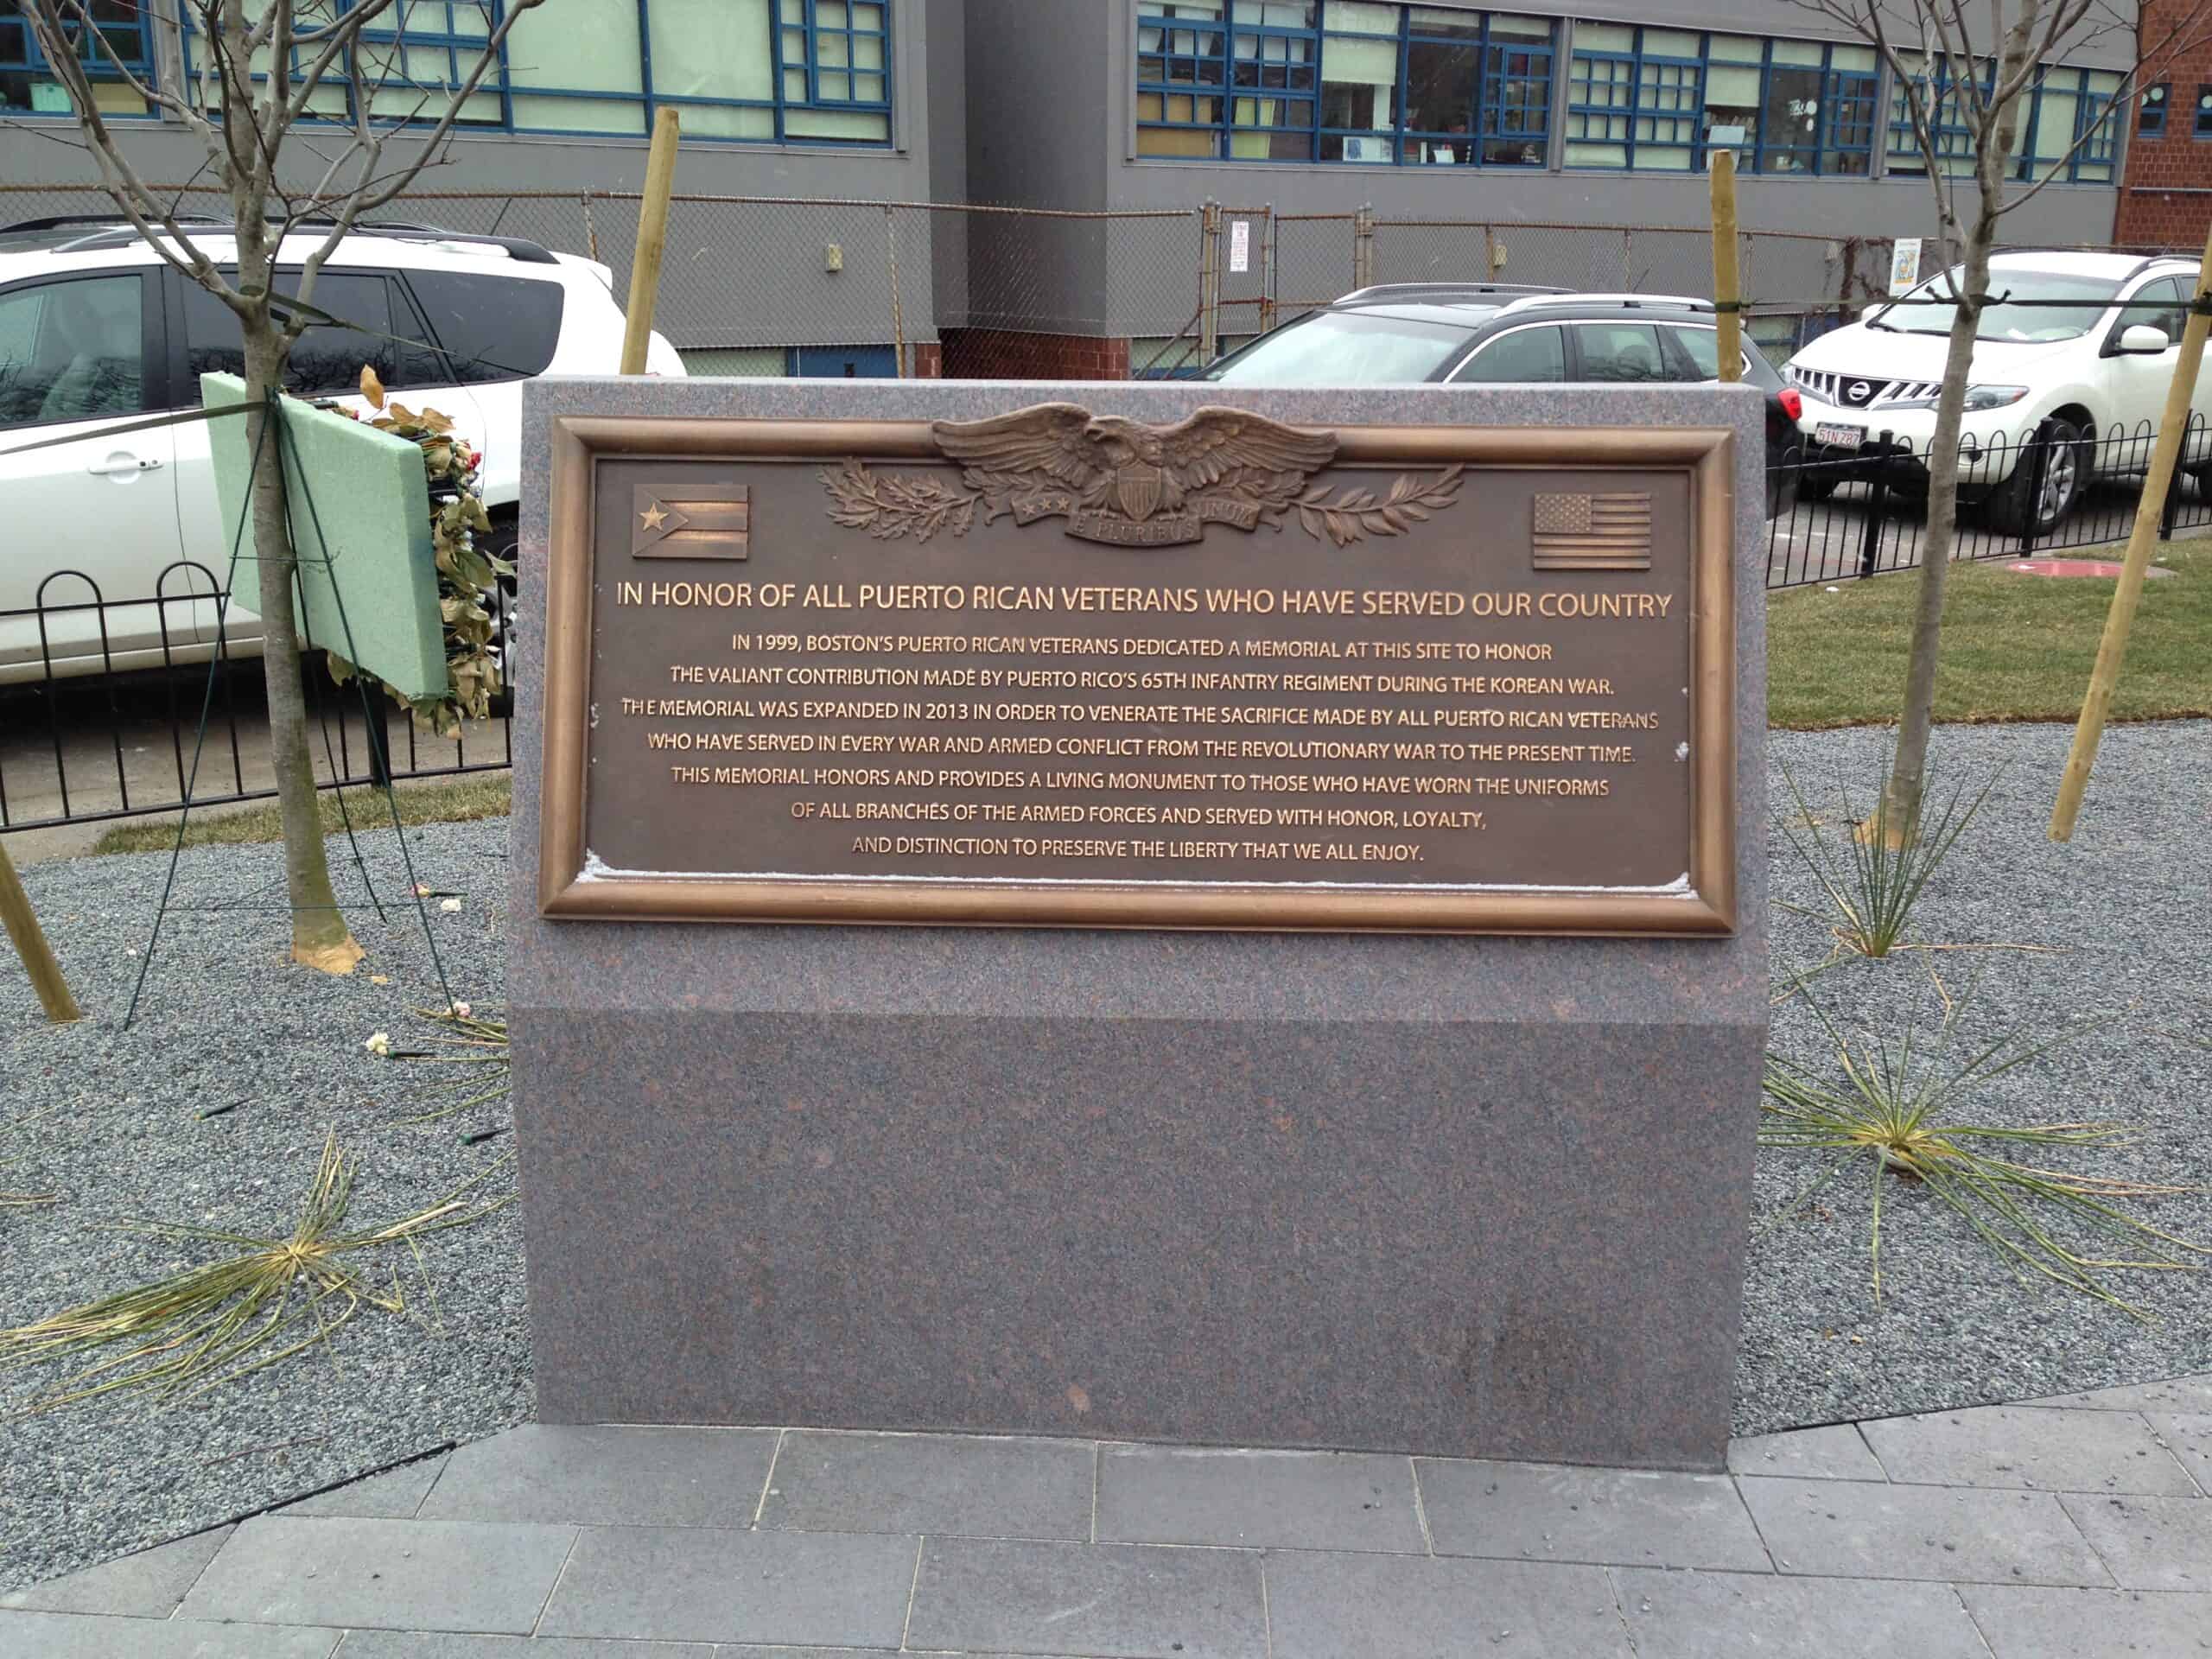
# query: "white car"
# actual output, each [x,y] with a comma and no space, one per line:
[2054,379]
[97,330]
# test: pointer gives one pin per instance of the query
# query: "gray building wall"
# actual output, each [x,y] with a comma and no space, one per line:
[733,276]
[1062,75]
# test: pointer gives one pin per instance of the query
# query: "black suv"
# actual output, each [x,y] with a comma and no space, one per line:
[1493,334]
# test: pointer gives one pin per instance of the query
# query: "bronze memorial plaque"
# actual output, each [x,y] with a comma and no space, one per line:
[1059,669]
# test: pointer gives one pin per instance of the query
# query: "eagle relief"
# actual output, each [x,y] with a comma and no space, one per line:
[1123,482]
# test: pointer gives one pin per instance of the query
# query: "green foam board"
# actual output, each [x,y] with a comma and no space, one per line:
[372,508]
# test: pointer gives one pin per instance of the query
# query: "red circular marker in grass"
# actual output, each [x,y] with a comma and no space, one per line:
[2104,568]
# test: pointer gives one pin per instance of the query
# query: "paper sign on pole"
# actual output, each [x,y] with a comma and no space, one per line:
[1905,264]
[1240,244]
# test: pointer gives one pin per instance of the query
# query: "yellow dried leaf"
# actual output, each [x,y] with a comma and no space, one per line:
[371,388]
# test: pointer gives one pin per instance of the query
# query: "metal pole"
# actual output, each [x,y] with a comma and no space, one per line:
[652,239]
[1877,502]
[1209,283]
[30,944]
[2112,650]
[1267,268]
[1727,293]
[1362,248]
[898,318]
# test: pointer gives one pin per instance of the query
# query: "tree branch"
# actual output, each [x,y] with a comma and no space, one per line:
[118,178]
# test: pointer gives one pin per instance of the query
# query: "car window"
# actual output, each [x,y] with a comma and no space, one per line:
[71,351]
[1696,355]
[2033,307]
[1344,348]
[1620,351]
[2173,322]
[1702,346]
[492,328]
[1526,354]
[326,359]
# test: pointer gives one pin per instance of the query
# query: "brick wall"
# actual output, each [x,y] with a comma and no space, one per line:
[1009,354]
[2165,198]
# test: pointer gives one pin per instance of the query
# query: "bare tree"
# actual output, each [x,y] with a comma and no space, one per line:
[283,180]
[1939,56]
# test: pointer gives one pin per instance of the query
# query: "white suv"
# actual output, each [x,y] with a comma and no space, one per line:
[97,329]
[2050,378]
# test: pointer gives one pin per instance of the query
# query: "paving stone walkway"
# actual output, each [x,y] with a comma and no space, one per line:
[2059,1529]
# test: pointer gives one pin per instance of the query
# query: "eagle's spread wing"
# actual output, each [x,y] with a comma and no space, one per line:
[1215,442]
[1048,438]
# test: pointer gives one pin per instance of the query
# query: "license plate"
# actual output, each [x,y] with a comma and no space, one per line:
[1842,437]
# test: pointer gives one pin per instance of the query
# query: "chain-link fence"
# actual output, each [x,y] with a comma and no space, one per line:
[761,285]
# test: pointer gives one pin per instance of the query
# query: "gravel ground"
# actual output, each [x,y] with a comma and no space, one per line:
[106,1119]
[2126,910]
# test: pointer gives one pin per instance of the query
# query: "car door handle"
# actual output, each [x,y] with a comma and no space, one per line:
[123,466]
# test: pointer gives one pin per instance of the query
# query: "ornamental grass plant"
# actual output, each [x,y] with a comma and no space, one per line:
[1883,867]
[1895,1104]
[260,1299]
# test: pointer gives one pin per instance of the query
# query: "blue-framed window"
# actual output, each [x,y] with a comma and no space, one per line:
[1635,98]
[1817,103]
[122,31]
[797,72]
[837,53]
[2202,127]
[2073,128]
[1360,81]
[1943,97]
[1664,100]
[2150,105]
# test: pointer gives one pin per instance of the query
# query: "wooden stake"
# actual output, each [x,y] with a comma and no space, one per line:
[31,946]
[1726,286]
[652,237]
[2112,650]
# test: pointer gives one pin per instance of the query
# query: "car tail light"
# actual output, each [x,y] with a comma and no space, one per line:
[1793,402]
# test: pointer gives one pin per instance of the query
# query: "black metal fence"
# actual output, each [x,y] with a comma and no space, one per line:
[119,741]
[113,708]
[1863,515]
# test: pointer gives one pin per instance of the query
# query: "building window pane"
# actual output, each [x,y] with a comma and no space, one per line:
[1359,85]
[2097,126]
[1440,79]
[1358,82]
[119,30]
[2151,109]
[1636,98]
[1517,92]
[1943,104]
[1790,119]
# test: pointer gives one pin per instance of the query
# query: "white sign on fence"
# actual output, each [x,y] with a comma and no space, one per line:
[1240,244]
[1905,264]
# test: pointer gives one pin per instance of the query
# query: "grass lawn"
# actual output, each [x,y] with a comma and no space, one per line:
[2014,647]
[444,800]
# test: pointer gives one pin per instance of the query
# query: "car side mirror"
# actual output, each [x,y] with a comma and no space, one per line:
[2143,339]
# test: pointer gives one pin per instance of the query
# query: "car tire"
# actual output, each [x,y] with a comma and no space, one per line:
[2065,471]
[1816,483]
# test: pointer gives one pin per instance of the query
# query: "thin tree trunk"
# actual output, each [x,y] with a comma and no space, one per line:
[1909,768]
[320,937]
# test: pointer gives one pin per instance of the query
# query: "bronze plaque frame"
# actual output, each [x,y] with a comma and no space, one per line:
[1707,453]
